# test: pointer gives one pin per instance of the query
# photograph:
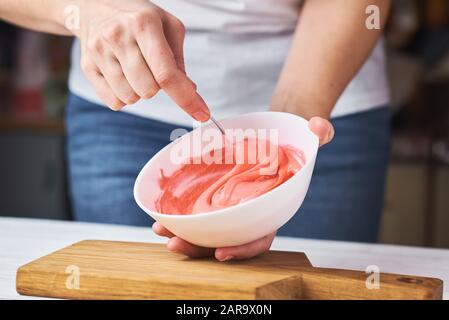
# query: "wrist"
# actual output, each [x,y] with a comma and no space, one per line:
[306,106]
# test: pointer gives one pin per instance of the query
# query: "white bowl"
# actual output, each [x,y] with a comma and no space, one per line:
[246,221]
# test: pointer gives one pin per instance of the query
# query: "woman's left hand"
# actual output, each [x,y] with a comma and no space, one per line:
[325,132]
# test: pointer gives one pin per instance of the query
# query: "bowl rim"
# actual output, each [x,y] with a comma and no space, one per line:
[200,215]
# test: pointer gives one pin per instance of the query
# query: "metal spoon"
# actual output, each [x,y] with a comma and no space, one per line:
[218,125]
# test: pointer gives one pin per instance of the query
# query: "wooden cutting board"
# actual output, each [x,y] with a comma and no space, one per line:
[124,270]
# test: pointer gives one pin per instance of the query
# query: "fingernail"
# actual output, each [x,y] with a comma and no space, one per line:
[330,135]
[172,250]
[227,258]
[201,116]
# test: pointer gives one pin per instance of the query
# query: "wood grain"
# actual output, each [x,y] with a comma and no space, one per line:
[125,270]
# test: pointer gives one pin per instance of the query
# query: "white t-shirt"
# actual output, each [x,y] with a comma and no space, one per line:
[234,52]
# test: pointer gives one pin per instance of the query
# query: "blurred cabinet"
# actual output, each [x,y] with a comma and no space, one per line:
[441,236]
[406,207]
[32,173]
[404,220]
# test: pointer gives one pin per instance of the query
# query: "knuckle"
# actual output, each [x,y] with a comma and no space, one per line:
[194,87]
[165,78]
[95,45]
[141,19]
[178,25]
[113,33]
[189,104]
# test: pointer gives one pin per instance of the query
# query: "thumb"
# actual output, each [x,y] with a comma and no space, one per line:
[322,128]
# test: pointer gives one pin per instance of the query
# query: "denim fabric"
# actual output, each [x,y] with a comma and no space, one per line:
[107,149]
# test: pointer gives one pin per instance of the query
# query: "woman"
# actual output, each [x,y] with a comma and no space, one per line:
[316,59]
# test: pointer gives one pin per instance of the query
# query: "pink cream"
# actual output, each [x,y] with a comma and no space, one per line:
[202,186]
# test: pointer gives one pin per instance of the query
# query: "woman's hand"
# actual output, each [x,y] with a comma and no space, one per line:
[132,49]
[325,131]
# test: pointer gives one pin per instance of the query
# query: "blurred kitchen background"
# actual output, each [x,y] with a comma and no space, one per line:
[33,73]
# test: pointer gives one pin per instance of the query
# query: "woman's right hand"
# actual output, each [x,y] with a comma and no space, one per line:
[132,49]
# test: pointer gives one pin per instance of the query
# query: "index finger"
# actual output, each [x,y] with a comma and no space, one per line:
[170,78]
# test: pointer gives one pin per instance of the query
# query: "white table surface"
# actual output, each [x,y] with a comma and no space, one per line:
[23,240]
